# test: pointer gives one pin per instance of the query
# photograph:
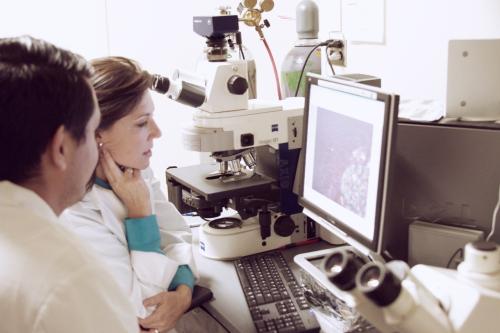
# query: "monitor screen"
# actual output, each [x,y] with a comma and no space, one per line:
[348,134]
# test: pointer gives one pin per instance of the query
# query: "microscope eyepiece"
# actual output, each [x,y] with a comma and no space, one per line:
[378,283]
[341,267]
[160,84]
[191,94]
[184,92]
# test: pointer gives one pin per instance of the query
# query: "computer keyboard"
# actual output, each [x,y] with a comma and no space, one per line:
[273,295]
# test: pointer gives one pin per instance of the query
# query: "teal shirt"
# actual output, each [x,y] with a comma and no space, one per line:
[143,234]
[182,276]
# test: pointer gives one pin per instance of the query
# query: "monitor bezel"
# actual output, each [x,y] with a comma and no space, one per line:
[391,102]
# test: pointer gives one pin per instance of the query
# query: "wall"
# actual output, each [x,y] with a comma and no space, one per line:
[411,62]
[76,25]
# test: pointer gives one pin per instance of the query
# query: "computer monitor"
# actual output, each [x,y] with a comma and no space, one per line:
[349,130]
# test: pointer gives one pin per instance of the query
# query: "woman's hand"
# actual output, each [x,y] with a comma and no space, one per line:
[128,186]
[170,306]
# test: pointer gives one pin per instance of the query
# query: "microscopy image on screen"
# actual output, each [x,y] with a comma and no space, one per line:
[342,159]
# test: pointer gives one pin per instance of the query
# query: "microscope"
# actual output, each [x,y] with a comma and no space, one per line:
[395,298]
[255,147]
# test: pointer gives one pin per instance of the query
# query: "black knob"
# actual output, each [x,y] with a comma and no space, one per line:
[237,85]
[284,226]
[246,140]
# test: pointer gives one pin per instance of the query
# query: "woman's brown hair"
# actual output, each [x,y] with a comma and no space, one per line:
[119,83]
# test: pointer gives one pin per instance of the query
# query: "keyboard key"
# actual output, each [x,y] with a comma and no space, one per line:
[289,329]
[273,294]
[260,324]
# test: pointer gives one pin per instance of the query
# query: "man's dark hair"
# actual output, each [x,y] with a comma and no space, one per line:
[41,88]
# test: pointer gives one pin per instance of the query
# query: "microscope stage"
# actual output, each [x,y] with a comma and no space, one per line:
[195,178]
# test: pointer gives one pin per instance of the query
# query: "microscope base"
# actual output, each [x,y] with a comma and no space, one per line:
[227,244]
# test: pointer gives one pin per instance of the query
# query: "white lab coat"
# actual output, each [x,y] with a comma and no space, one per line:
[49,282]
[98,219]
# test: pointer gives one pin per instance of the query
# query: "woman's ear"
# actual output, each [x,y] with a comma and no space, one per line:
[98,139]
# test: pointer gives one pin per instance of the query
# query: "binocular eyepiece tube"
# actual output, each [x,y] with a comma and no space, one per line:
[179,90]
[347,271]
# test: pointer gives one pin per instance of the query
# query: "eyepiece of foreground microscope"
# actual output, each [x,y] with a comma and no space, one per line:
[340,268]
[378,283]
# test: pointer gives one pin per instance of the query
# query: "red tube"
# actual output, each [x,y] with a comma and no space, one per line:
[274,67]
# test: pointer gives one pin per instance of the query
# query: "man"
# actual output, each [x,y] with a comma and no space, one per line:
[49,282]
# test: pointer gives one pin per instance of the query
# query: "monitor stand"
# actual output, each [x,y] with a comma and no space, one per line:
[358,247]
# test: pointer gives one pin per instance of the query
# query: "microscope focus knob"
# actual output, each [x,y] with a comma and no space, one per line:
[237,85]
[284,226]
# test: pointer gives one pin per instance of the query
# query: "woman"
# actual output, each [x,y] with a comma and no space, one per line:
[141,237]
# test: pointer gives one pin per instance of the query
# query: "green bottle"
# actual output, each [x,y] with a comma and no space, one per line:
[307,26]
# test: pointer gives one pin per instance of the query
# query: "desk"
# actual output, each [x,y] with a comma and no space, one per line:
[229,306]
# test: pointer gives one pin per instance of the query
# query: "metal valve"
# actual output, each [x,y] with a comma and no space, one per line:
[251,15]
[266,5]
[249,3]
